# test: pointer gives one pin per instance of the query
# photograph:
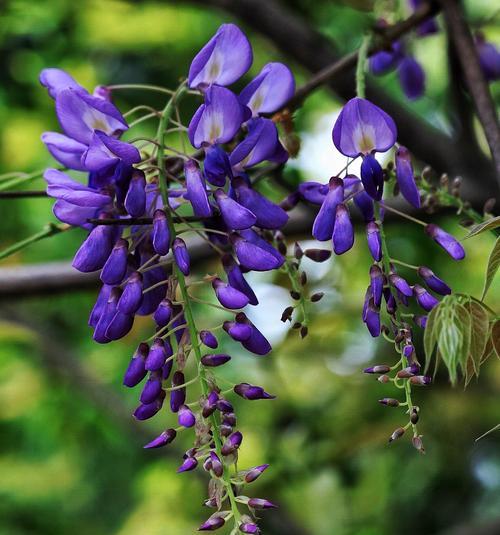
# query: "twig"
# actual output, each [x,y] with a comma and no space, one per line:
[462,39]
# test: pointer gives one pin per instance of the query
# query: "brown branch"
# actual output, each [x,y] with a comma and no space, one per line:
[463,41]
[22,194]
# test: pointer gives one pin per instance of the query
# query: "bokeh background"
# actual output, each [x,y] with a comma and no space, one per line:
[71,457]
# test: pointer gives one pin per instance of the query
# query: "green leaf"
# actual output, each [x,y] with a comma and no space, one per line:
[482,227]
[495,337]
[430,334]
[493,265]
[480,330]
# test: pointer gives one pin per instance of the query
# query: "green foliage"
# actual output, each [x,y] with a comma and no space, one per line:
[462,331]
[492,267]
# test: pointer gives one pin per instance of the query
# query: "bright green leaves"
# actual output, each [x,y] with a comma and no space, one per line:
[462,334]
[492,267]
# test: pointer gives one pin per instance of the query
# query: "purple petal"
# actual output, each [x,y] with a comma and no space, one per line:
[96,248]
[65,150]
[216,165]
[135,200]
[156,356]
[181,255]
[228,296]
[269,90]
[237,280]
[405,177]
[372,177]
[105,151]
[323,224]
[116,265]
[362,128]
[450,244]
[224,59]
[313,192]
[343,231]
[255,256]
[374,241]
[136,371]
[56,80]
[131,298]
[236,216]
[161,233]
[412,78]
[196,190]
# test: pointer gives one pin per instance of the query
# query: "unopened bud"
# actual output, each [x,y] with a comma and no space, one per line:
[303,331]
[282,248]
[420,380]
[418,444]
[297,325]
[287,314]
[297,251]
[295,295]
[390,402]
[414,415]
[317,297]
[398,433]
[303,278]
[380,368]
[383,379]
[318,255]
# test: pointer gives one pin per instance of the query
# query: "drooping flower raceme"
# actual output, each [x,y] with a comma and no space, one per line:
[130,212]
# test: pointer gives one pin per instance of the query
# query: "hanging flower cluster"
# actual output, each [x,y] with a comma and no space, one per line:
[361,130]
[131,209]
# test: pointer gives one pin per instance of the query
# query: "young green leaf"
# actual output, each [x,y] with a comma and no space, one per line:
[480,329]
[492,268]
[490,224]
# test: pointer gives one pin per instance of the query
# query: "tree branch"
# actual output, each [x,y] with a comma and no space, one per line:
[461,38]
[314,52]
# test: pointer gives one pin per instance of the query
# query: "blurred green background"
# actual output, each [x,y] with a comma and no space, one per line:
[71,458]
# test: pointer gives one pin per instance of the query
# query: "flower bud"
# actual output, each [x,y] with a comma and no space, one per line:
[209,339]
[162,440]
[398,433]
[115,267]
[181,256]
[213,360]
[318,255]
[249,527]
[287,314]
[224,406]
[343,231]
[424,298]
[418,444]
[420,380]
[317,297]
[131,298]
[209,405]
[433,282]
[450,244]
[414,417]
[400,284]
[178,396]
[390,402]
[135,200]
[190,463]
[161,233]
[216,521]
[376,284]
[136,370]
[374,240]
[261,503]
[185,416]
[405,177]
[238,331]
[232,443]
[255,472]
[380,368]
[151,390]
[216,465]
[251,392]
[143,412]
[228,296]
[383,379]
[156,356]
[163,314]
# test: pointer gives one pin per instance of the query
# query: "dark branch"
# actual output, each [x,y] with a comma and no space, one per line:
[22,194]
[463,42]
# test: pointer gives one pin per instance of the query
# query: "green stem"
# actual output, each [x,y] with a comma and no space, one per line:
[188,312]
[361,66]
[51,229]
[386,260]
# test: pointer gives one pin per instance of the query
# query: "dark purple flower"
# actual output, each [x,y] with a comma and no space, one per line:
[372,318]
[216,465]
[343,231]
[372,177]
[185,416]
[450,244]
[131,298]
[412,78]
[236,216]
[268,215]
[255,472]
[209,339]
[162,440]
[216,521]
[363,128]
[181,255]
[135,200]
[209,405]
[255,253]
[156,356]
[261,143]
[213,360]
[232,443]
[163,313]
[237,331]
[313,192]
[269,90]
[236,279]
[119,325]
[405,177]
[400,284]
[489,58]
[424,298]
[218,119]
[260,503]
[96,248]
[190,463]
[385,60]
[364,203]
[225,407]
[249,527]
[433,282]
[116,265]
[144,412]
[324,222]
[136,370]
[216,165]
[177,396]
[196,189]
[228,296]
[223,60]
[151,389]
[374,241]
[161,233]
[65,150]
[376,284]
[252,392]
[257,343]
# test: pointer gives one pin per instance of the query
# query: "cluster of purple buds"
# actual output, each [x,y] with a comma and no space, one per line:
[411,75]
[239,221]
